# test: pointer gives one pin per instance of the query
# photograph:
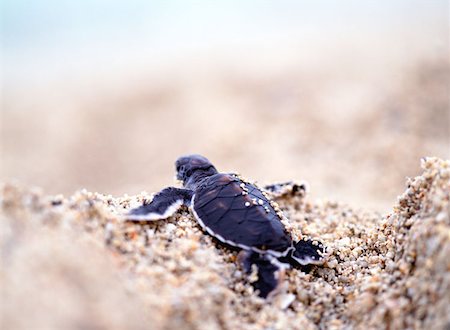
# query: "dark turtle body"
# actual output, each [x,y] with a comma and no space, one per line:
[238,214]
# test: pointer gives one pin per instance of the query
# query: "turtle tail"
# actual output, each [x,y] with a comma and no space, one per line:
[308,252]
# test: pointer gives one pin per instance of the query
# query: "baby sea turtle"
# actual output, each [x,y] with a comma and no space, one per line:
[238,214]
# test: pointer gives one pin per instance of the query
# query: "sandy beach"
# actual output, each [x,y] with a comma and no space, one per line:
[69,261]
[73,262]
[99,99]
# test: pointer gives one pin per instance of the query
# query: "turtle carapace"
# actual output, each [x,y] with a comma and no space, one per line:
[238,214]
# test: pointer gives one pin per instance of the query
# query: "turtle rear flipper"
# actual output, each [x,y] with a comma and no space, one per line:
[269,273]
[163,205]
[308,252]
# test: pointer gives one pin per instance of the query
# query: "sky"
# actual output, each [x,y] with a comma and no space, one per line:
[44,38]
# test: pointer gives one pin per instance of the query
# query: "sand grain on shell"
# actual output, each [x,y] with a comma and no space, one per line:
[88,268]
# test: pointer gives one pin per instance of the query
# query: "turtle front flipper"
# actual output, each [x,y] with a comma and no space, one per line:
[163,205]
[307,252]
[287,188]
[269,271]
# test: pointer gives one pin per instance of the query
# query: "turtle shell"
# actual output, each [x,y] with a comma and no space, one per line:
[238,213]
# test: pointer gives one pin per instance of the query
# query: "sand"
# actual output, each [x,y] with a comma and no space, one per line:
[74,263]
[353,130]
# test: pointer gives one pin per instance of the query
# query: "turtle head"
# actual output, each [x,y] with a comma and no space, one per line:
[192,168]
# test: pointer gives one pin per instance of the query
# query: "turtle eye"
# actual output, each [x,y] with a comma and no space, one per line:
[184,171]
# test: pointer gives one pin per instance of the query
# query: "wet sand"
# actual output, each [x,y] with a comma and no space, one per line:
[74,263]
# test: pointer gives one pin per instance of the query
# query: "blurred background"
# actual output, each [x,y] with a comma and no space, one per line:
[105,95]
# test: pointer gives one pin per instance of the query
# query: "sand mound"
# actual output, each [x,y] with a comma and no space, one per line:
[72,263]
